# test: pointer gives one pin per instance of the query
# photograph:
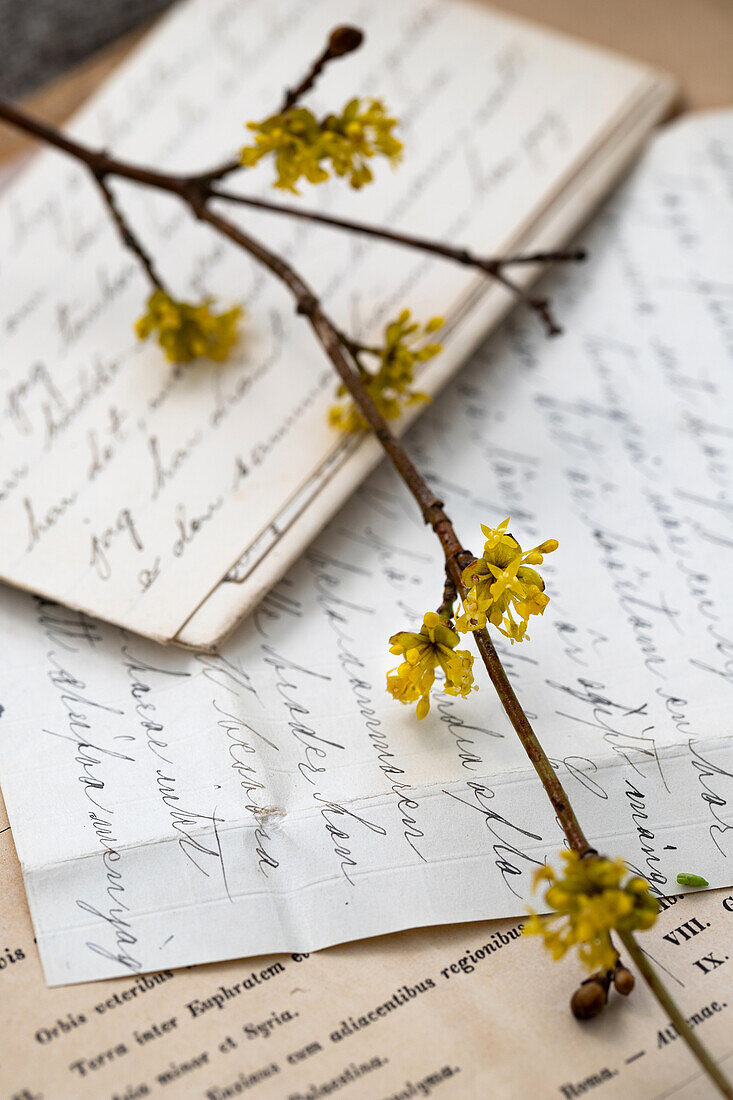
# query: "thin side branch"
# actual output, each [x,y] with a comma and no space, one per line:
[343,40]
[541,306]
[97,160]
[492,266]
[126,234]
[530,742]
[449,596]
[197,189]
[489,264]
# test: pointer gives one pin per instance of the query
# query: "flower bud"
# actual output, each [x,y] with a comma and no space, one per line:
[623,980]
[589,1000]
[343,40]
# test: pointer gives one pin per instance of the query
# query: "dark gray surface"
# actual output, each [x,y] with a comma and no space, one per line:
[39,39]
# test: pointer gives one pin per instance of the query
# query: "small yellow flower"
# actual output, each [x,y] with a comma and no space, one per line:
[501,584]
[186,331]
[591,900]
[435,645]
[303,147]
[390,384]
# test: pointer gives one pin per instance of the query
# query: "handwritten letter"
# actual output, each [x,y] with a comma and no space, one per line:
[129,489]
[172,808]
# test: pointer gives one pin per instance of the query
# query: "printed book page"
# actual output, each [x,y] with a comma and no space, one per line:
[130,488]
[443,1011]
[171,808]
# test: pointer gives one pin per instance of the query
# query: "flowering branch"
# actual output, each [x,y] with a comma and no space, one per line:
[196,190]
[343,40]
[431,507]
[593,891]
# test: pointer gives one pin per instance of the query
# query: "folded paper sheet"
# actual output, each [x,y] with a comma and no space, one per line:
[130,490]
[171,808]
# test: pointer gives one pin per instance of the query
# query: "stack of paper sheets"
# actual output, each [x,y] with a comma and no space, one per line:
[130,491]
[170,808]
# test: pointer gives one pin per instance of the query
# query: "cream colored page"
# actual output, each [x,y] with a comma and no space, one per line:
[129,489]
[455,1012]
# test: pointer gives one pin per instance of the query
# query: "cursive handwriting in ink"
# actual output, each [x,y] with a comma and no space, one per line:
[124,524]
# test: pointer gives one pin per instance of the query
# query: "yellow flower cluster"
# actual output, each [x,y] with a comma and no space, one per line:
[501,582]
[303,146]
[390,385]
[591,900]
[434,645]
[186,331]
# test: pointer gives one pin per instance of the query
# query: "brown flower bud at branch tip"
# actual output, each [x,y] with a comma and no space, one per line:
[344,40]
[589,1000]
[623,980]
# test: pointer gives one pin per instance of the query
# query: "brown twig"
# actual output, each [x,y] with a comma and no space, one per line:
[450,595]
[195,191]
[343,40]
[430,506]
[126,234]
[541,306]
[491,266]
[98,161]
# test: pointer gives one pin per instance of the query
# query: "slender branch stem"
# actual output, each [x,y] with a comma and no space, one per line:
[49,135]
[530,742]
[97,160]
[431,506]
[355,348]
[668,1004]
[342,40]
[223,170]
[195,191]
[126,234]
[541,306]
[308,304]
[489,265]
[450,595]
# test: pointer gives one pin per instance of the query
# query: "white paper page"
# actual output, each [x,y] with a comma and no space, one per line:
[171,808]
[120,492]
